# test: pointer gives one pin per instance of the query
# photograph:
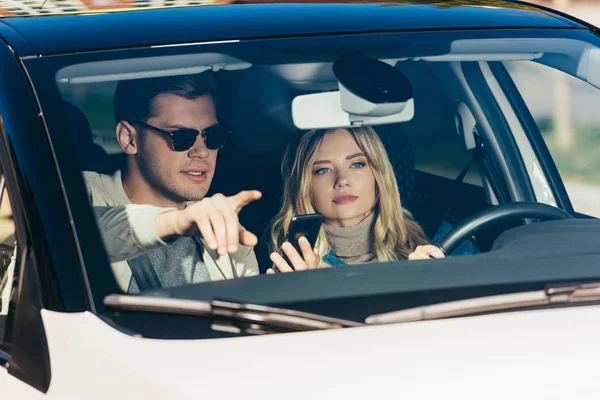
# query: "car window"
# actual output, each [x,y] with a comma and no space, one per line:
[564,109]
[437,147]
[253,103]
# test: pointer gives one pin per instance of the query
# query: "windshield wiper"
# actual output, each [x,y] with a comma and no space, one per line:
[579,293]
[231,316]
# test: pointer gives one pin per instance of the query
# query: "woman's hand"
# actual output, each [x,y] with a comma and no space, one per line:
[308,260]
[215,218]
[426,252]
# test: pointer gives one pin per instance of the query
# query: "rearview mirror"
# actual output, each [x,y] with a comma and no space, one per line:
[323,111]
[371,92]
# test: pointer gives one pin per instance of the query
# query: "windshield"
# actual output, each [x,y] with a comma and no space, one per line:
[262,171]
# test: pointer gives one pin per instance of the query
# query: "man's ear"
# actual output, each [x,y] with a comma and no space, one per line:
[127,137]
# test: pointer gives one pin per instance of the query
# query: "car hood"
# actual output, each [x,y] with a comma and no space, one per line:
[542,354]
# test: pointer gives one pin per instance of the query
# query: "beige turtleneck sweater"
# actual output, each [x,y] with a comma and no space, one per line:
[354,244]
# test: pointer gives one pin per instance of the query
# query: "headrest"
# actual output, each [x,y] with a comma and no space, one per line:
[401,157]
[91,156]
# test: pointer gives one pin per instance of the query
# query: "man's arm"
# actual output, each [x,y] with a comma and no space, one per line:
[131,230]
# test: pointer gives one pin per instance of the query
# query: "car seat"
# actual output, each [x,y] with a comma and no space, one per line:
[228,178]
[401,157]
[92,157]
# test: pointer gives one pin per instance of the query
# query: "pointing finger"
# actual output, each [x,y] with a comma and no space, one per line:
[244,198]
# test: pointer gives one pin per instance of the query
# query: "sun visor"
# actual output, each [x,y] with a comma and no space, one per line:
[371,92]
[148,67]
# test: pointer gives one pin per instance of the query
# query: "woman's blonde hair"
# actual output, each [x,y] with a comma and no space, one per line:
[396,234]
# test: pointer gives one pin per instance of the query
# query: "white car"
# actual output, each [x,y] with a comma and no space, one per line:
[494,144]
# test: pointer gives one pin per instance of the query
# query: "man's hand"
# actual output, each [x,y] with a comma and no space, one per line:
[215,218]
[426,252]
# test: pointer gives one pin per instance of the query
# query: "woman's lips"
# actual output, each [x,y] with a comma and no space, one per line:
[344,199]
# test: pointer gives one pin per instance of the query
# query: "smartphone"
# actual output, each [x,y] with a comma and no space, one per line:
[307,225]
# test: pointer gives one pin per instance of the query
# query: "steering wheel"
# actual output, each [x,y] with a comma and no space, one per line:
[494,215]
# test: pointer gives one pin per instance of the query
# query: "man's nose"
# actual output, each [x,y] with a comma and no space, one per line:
[199,148]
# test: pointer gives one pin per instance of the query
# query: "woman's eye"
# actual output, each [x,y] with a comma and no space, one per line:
[357,165]
[321,171]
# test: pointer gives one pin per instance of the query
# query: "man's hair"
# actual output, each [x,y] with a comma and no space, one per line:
[134,98]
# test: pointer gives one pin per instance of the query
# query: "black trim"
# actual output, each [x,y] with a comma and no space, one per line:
[30,360]
[502,148]
[534,135]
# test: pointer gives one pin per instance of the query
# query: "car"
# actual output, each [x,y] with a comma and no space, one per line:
[493,143]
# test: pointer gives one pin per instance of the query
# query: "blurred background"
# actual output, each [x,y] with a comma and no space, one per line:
[570,118]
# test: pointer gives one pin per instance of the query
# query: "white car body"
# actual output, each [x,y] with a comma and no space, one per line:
[546,354]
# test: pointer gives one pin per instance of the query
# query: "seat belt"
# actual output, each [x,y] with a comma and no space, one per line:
[440,209]
[461,177]
[482,159]
[143,273]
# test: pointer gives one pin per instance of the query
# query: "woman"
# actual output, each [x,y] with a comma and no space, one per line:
[346,175]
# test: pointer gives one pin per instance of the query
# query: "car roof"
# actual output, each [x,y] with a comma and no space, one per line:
[68,33]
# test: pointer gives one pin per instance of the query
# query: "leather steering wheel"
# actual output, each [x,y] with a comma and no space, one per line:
[494,215]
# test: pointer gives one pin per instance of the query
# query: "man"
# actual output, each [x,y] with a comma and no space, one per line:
[168,129]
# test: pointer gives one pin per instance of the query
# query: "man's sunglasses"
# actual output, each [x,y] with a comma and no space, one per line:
[183,139]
